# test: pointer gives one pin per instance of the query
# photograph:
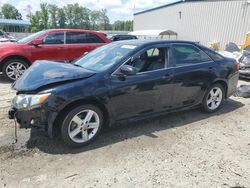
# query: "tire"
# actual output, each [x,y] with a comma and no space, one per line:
[81,125]
[212,103]
[18,64]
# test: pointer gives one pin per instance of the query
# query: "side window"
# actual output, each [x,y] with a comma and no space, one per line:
[92,38]
[54,38]
[82,38]
[215,56]
[153,52]
[188,54]
[150,60]
[75,38]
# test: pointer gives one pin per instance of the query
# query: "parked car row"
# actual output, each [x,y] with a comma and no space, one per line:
[6,37]
[124,81]
[121,37]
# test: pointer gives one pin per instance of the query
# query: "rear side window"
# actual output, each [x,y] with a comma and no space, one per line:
[82,38]
[186,54]
[215,56]
[92,38]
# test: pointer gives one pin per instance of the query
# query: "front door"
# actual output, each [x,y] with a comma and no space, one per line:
[52,48]
[148,91]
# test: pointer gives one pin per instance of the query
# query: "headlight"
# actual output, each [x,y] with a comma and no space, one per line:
[23,101]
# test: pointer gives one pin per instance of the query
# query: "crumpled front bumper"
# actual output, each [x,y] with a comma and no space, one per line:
[36,117]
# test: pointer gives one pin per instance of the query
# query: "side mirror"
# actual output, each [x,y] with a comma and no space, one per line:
[128,70]
[37,42]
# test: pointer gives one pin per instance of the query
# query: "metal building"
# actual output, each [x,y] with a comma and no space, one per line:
[205,21]
[10,25]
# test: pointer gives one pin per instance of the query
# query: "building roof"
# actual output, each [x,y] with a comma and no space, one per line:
[14,22]
[167,5]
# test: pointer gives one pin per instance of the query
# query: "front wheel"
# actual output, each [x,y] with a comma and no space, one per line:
[81,125]
[14,68]
[213,98]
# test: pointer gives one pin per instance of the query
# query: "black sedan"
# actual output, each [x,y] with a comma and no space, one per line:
[121,82]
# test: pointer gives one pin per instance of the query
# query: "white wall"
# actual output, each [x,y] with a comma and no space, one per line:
[208,21]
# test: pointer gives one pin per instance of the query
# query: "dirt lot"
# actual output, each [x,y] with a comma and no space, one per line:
[186,149]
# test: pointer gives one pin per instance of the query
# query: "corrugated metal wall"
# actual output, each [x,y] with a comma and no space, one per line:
[208,21]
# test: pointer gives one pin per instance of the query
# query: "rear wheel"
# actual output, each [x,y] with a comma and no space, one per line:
[81,125]
[14,69]
[214,98]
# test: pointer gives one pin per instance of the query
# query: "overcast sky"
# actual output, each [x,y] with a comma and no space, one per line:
[117,9]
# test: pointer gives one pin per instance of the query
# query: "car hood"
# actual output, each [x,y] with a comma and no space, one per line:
[43,73]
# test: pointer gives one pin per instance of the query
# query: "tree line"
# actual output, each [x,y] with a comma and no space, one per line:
[72,16]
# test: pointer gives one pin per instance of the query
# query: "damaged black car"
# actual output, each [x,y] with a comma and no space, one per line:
[121,82]
[245,65]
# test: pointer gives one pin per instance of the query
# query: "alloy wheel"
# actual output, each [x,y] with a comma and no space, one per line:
[214,98]
[83,126]
[14,70]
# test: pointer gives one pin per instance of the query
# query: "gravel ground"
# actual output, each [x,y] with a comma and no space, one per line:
[185,149]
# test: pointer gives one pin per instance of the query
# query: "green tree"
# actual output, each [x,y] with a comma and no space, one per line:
[95,19]
[61,18]
[28,10]
[76,17]
[10,12]
[36,22]
[44,15]
[104,25]
[53,11]
[122,25]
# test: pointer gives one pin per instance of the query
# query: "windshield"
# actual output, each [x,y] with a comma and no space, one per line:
[105,57]
[31,37]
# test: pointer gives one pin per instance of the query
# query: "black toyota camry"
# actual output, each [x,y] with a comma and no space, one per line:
[121,82]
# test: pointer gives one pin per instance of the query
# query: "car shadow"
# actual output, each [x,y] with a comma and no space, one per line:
[3,80]
[39,139]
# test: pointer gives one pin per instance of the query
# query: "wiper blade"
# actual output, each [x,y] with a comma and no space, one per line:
[77,65]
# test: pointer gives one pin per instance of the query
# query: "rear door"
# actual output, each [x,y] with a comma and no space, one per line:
[194,71]
[80,42]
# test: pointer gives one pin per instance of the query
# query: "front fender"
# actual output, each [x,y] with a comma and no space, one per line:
[51,121]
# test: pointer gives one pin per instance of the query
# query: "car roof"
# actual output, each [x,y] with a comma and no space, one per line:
[75,30]
[123,35]
[153,42]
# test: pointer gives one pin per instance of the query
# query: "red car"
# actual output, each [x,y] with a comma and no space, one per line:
[63,45]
